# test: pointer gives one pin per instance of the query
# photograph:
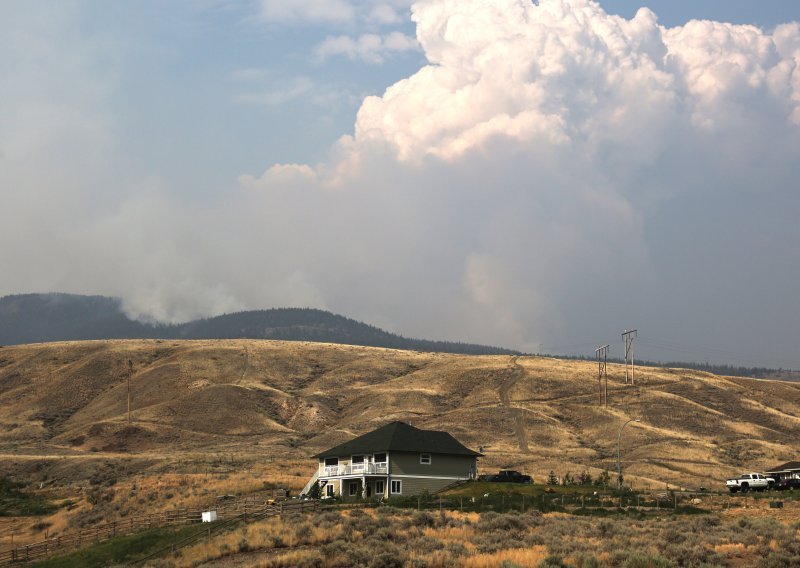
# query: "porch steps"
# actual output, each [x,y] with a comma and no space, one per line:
[311,482]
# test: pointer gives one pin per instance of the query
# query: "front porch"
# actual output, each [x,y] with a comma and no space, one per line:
[362,486]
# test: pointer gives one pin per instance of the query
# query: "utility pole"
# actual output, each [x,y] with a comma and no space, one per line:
[130,373]
[619,466]
[628,338]
[602,360]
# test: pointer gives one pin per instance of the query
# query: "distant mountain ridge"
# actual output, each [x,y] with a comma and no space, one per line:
[39,318]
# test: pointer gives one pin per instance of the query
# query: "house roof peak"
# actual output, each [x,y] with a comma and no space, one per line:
[398,436]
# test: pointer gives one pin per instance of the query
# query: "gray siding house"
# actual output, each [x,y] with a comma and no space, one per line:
[393,461]
[789,470]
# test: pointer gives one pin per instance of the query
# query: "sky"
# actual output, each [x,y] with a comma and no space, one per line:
[536,175]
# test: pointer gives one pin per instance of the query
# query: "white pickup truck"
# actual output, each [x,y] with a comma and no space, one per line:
[750,481]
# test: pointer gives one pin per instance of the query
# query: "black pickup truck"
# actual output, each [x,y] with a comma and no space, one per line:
[789,484]
[509,476]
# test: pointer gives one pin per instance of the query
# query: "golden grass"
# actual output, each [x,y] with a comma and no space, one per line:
[287,559]
[224,417]
[267,534]
[523,557]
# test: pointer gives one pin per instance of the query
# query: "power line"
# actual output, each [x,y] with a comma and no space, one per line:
[602,371]
[627,338]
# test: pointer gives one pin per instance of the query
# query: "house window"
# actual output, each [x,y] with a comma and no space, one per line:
[331,461]
[379,488]
[397,486]
[353,489]
[329,490]
[380,458]
[358,459]
[425,459]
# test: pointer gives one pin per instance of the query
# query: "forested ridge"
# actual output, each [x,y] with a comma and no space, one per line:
[38,318]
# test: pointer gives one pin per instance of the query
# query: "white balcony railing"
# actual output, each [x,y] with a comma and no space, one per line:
[354,469]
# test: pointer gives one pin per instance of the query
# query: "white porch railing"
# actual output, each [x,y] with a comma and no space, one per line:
[354,469]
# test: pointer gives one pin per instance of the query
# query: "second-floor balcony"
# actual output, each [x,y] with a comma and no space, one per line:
[355,469]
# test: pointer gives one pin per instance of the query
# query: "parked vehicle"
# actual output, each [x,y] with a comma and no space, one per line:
[749,482]
[510,476]
[787,484]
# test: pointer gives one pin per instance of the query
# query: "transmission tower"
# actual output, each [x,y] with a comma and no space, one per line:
[602,360]
[627,338]
[130,373]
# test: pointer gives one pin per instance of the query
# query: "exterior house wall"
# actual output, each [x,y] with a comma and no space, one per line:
[407,463]
[335,484]
[417,485]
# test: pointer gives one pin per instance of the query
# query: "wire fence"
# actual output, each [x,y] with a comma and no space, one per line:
[504,502]
[226,513]
[255,508]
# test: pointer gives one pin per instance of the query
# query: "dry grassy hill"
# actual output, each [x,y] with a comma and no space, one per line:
[267,400]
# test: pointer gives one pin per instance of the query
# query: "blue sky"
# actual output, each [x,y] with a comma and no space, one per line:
[541,182]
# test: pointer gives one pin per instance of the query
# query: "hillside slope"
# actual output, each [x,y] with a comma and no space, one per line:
[276,397]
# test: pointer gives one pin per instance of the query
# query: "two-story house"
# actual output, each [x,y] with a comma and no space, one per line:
[395,460]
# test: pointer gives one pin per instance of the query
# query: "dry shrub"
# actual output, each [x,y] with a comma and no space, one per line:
[446,534]
[524,558]
[643,561]
[295,559]
[731,549]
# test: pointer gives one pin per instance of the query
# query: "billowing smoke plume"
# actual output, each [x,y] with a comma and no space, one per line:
[552,175]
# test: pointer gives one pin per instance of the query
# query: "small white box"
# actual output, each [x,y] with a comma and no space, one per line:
[209,516]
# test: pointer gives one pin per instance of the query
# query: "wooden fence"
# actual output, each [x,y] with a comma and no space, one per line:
[129,525]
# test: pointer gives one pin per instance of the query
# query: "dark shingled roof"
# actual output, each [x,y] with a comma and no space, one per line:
[400,437]
[785,466]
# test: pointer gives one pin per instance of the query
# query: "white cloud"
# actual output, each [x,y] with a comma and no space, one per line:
[370,13]
[298,87]
[280,174]
[534,156]
[371,48]
[306,11]
[385,14]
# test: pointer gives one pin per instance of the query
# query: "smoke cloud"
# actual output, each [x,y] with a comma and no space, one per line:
[552,175]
